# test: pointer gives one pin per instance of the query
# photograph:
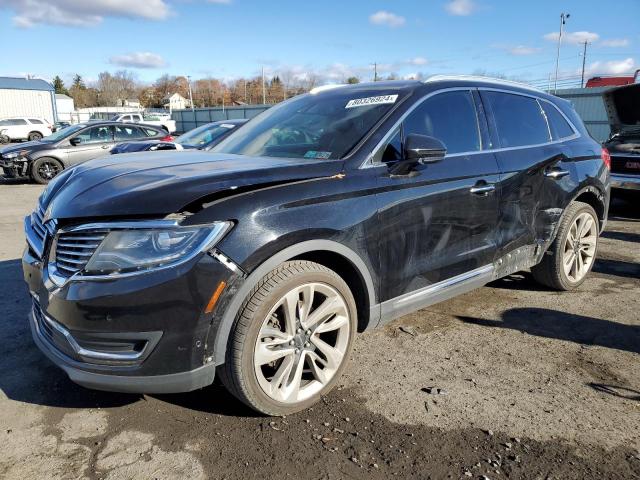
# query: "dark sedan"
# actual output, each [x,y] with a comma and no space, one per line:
[42,160]
[201,138]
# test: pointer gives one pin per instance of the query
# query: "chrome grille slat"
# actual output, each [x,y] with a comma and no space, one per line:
[70,260]
[60,252]
[78,245]
[83,238]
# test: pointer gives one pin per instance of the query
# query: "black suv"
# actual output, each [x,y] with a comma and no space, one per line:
[331,213]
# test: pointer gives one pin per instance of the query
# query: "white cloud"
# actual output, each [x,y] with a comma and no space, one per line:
[613,67]
[615,42]
[518,50]
[138,60]
[418,61]
[82,13]
[461,7]
[573,38]
[387,18]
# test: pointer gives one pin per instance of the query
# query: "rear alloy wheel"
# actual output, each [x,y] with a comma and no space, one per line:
[35,136]
[292,339]
[572,254]
[45,169]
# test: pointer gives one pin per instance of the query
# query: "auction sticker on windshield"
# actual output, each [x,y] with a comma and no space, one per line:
[363,102]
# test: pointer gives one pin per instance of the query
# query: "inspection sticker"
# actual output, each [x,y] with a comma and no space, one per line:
[363,102]
[318,155]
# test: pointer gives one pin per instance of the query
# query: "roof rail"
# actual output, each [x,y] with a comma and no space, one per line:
[479,78]
[323,88]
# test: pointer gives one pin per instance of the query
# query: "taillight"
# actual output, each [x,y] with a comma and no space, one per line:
[168,138]
[606,158]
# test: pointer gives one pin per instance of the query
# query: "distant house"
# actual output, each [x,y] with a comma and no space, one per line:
[65,107]
[175,102]
[131,102]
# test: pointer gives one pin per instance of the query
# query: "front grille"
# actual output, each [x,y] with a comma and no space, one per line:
[74,249]
[625,164]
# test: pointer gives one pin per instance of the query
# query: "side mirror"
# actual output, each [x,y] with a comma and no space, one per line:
[423,149]
[418,149]
[75,141]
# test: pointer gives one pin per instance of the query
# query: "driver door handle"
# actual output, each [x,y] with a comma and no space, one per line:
[105,146]
[482,189]
[556,174]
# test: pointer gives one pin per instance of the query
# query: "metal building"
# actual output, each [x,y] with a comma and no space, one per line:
[589,105]
[22,97]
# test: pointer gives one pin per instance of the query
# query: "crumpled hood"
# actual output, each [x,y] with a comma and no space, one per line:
[161,183]
[623,107]
[30,146]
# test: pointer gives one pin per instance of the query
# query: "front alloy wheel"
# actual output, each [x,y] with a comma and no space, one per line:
[302,343]
[291,339]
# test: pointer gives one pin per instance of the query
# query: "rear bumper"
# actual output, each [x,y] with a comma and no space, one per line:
[625,182]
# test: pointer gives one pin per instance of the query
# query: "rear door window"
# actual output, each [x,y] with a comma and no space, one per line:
[35,121]
[558,125]
[450,117]
[519,120]
[127,132]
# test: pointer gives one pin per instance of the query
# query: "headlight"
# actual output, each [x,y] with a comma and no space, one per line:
[135,250]
[11,155]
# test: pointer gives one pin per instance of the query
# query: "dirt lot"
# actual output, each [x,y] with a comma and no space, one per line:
[509,381]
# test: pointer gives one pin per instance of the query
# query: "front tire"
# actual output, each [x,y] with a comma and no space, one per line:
[44,169]
[291,340]
[572,254]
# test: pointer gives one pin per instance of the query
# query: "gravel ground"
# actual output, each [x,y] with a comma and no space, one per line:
[509,381]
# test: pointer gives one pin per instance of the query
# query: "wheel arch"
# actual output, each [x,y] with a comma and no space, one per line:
[336,256]
[593,196]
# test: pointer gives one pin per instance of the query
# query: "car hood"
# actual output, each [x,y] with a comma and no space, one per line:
[30,146]
[161,183]
[623,108]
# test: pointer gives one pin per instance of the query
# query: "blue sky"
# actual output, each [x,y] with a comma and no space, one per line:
[331,40]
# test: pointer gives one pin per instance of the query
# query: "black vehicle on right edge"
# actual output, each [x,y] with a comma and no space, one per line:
[331,213]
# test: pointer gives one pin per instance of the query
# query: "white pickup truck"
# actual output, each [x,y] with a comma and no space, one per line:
[159,120]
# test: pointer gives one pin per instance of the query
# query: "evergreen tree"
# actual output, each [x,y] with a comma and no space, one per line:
[58,85]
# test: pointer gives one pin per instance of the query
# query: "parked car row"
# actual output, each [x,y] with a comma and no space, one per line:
[42,160]
[326,215]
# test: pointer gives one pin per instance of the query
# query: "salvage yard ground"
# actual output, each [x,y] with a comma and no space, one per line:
[509,381]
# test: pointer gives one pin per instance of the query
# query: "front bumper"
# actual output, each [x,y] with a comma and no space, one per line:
[625,182]
[144,334]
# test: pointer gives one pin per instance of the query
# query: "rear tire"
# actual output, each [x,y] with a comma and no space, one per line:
[572,254]
[291,340]
[44,169]
[34,136]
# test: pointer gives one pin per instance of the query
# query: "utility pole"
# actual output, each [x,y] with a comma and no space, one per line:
[563,19]
[584,62]
[190,94]
[264,92]
[375,72]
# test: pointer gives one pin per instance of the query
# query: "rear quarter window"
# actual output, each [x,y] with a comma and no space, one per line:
[519,120]
[558,125]
[35,121]
[150,132]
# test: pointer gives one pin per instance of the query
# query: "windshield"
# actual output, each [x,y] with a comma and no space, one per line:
[60,134]
[201,136]
[327,126]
